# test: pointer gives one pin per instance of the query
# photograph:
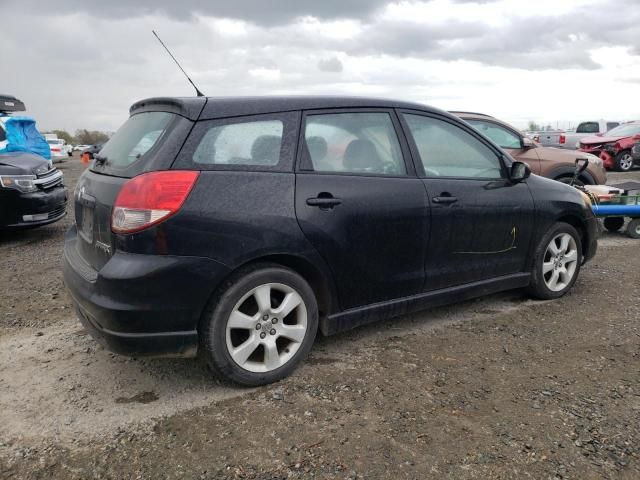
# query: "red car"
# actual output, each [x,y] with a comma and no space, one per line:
[614,147]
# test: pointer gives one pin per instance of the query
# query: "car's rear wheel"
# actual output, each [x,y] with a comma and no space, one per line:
[633,228]
[557,262]
[260,326]
[624,161]
[613,224]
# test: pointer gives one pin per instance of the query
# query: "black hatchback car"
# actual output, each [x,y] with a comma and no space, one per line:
[239,227]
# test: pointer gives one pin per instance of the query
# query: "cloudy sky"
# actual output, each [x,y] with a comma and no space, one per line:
[81,63]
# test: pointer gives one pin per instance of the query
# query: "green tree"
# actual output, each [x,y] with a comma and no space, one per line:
[533,126]
[64,135]
[93,137]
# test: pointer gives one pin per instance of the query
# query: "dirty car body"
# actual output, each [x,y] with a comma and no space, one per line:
[327,200]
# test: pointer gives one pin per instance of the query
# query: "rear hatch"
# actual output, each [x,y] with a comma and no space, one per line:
[148,141]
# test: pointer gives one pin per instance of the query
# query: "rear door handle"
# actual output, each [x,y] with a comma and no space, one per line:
[445,200]
[323,202]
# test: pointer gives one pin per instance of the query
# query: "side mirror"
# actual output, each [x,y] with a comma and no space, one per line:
[519,172]
[527,143]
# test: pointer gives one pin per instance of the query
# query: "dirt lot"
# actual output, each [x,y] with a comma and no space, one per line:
[501,387]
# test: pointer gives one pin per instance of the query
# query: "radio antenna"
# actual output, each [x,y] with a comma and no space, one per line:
[198,92]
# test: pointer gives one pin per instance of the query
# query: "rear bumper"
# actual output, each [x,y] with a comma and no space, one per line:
[15,205]
[141,304]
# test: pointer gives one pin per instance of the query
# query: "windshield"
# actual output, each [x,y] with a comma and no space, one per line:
[54,142]
[627,130]
[135,138]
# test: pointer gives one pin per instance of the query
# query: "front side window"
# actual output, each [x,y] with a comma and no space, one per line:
[588,127]
[611,125]
[256,143]
[135,138]
[448,151]
[364,143]
[500,135]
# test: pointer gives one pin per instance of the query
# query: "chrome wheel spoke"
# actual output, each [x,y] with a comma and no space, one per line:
[262,295]
[271,356]
[564,243]
[553,248]
[242,352]
[295,333]
[571,256]
[241,320]
[291,301]
[553,281]
[547,266]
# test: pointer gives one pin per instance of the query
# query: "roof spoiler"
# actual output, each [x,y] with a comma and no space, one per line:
[189,107]
[9,103]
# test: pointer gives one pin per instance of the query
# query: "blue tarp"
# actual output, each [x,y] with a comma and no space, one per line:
[23,136]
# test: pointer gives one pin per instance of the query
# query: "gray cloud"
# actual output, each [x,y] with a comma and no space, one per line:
[103,56]
[262,12]
[332,64]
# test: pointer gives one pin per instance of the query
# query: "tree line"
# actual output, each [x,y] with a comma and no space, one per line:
[82,136]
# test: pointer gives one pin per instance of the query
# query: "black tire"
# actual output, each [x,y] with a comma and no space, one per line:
[633,228]
[213,327]
[538,287]
[623,161]
[567,180]
[613,224]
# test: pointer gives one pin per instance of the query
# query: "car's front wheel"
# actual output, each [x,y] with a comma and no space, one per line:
[260,326]
[557,262]
[624,161]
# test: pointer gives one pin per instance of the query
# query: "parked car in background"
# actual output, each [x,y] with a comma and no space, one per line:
[90,152]
[548,162]
[80,148]
[58,148]
[635,152]
[570,139]
[614,148]
[32,192]
[240,227]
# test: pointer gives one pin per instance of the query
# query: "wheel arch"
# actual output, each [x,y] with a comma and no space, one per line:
[580,226]
[319,280]
[585,177]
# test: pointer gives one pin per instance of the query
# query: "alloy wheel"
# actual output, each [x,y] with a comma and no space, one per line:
[560,262]
[626,162]
[266,327]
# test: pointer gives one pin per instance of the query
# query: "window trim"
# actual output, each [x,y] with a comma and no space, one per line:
[290,129]
[303,160]
[500,125]
[503,157]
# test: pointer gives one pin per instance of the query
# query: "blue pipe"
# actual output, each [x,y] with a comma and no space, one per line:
[620,210]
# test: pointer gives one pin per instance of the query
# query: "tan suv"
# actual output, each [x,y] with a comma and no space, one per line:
[549,162]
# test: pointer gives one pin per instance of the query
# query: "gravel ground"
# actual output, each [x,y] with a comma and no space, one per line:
[501,387]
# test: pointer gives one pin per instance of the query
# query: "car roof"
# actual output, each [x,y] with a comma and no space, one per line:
[206,108]
[482,116]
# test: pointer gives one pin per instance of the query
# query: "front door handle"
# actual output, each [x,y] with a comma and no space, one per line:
[323,202]
[446,200]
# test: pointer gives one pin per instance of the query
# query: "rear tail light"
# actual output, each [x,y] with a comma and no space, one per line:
[563,139]
[150,198]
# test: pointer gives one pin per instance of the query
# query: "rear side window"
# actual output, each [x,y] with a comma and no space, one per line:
[364,143]
[611,125]
[135,138]
[588,127]
[256,143]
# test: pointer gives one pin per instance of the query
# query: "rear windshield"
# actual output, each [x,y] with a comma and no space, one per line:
[135,138]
